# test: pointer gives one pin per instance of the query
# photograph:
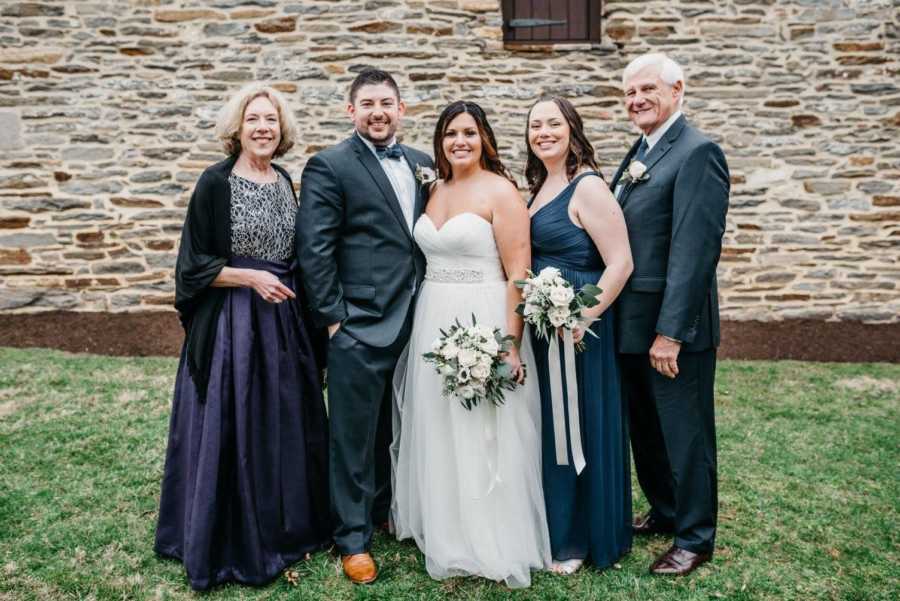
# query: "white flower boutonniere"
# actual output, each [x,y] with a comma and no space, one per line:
[636,172]
[425,175]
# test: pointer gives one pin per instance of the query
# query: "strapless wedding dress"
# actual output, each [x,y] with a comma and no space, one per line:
[467,484]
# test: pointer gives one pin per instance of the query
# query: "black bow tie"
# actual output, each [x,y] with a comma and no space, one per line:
[389,152]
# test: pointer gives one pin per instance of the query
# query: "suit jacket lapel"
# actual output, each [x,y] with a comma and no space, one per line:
[656,153]
[622,166]
[381,180]
[665,143]
[420,189]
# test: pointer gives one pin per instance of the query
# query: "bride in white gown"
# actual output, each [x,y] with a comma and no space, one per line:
[467,484]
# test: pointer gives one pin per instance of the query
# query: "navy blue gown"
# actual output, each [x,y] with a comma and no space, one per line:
[589,515]
[245,491]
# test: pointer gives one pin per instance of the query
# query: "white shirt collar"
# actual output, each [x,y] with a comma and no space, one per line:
[371,146]
[660,131]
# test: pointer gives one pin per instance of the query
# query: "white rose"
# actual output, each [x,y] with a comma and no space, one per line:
[548,273]
[487,361]
[425,175]
[558,315]
[491,348]
[447,370]
[480,371]
[530,309]
[466,392]
[636,169]
[450,351]
[467,357]
[562,296]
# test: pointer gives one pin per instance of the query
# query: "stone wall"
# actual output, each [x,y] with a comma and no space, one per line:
[107,109]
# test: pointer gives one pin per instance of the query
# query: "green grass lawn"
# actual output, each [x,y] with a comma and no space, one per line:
[809,493]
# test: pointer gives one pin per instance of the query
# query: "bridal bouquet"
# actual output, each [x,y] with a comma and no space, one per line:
[550,302]
[469,360]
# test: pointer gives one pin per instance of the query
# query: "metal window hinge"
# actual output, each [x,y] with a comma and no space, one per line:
[533,23]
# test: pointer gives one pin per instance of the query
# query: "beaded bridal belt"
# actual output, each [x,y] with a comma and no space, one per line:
[450,274]
[468,275]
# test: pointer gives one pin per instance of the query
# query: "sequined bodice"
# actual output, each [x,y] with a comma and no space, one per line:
[262,219]
[463,250]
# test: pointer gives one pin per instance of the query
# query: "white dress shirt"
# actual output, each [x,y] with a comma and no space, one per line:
[660,131]
[402,180]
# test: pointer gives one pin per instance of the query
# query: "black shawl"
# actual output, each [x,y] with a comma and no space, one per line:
[205,250]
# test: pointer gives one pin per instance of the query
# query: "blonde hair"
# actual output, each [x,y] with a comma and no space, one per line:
[231,118]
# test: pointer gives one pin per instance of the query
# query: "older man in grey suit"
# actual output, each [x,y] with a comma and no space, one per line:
[673,187]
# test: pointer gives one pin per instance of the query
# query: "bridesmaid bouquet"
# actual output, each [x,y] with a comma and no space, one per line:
[550,302]
[470,362]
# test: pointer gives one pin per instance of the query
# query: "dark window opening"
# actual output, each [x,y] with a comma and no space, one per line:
[551,21]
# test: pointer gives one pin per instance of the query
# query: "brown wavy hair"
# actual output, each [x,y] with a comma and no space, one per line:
[490,159]
[581,153]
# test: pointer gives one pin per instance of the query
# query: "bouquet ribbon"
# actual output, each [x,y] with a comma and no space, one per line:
[490,434]
[555,367]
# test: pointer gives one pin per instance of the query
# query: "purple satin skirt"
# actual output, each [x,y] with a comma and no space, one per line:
[245,490]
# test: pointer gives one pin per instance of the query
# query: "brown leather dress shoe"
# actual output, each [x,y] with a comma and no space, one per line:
[678,562]
[647,524]
[360,568]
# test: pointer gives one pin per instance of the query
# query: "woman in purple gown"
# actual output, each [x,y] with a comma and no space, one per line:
[245,491]
[578,228]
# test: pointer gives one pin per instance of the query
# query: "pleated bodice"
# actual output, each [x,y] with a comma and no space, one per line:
[556,241]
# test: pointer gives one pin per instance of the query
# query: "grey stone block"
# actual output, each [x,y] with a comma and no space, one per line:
[27,240]
[11,128]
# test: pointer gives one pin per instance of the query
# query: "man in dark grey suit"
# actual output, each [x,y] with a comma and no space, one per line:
[673,188]
[358,202]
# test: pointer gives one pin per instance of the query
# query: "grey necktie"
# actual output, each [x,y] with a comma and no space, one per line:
[642,151]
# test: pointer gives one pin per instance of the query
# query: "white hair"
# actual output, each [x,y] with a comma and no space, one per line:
[669,71]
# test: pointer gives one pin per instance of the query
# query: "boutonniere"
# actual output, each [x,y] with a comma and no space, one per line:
[425,175]
[636,173]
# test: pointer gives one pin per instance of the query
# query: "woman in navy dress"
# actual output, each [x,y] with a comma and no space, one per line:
[245,491]
[578,227]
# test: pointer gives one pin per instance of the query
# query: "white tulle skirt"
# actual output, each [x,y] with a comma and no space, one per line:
[467,484]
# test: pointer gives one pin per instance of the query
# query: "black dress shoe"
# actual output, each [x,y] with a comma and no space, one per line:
[647,524]
[678,562]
